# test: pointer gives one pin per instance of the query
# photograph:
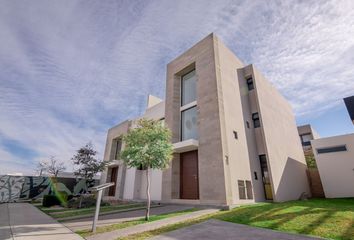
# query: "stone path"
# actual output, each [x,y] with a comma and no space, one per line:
[104,220]
[215,229]
[22,221]
[150,226]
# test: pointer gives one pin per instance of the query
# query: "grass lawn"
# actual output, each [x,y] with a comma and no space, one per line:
[61,213]
[109,228]
[327,218]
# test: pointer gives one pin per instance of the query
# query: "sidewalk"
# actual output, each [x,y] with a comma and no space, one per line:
[22,221]
[150,226]
[104,220]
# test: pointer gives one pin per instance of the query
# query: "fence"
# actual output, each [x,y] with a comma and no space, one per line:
[20,188]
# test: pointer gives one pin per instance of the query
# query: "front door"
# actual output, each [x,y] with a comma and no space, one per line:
[189,185]
[266,178]
[114,174]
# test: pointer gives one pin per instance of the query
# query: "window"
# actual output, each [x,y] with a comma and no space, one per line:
[247,124]
[255,176]
[341,148]
[189,124]
[188,88]
[250,83]
[306,139]
[116,148]
[256,122]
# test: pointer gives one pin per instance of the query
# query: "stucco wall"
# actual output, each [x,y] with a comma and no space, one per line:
[285,156]
[337,168]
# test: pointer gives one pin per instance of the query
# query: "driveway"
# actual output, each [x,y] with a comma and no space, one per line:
[23,221]
[215,229]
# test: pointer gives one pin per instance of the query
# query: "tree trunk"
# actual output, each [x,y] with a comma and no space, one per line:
[148,195]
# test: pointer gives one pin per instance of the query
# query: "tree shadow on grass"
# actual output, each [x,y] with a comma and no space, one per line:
[297,217]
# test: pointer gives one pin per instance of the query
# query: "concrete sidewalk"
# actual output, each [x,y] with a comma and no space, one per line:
[22,221]
[150,225]
[104,220]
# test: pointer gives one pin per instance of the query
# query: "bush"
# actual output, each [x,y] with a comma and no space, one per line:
[50,200]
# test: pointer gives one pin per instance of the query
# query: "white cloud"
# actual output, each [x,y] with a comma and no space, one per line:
[72,69]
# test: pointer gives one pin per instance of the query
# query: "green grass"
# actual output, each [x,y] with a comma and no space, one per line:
[62,213]
[109,228]
[327,218]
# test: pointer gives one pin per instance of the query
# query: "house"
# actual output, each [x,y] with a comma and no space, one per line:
[234,135]
[335,160]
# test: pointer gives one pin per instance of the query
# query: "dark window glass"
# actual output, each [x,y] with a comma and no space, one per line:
[250,83]
[241,189]
[189,124]
[256,122]
[247,124]
[189,88]
[342,148]
[255,176]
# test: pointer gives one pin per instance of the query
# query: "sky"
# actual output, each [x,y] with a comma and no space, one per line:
[72,69]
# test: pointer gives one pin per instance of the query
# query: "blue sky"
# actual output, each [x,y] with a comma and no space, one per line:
[72,69]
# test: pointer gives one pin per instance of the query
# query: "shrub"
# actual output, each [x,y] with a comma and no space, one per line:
[50,200]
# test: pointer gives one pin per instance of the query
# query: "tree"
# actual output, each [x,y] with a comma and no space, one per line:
[42,168]
[52,167]
[148,146]
[88,165]
[310,159]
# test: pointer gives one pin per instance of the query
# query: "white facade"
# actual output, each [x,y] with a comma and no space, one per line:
[335,162]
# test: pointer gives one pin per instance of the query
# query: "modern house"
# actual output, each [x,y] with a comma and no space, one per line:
[235,137]
[307,133]
[335,161]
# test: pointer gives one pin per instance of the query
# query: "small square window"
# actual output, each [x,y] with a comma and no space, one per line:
[250,84]
[256,122]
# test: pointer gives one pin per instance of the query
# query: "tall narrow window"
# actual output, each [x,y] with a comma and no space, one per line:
[256,122]
[189,124]
[116,148]
[188,88]
[250,83]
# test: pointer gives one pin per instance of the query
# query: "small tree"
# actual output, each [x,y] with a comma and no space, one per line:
[42,168]
[88,164]
[148,146]
[53,167]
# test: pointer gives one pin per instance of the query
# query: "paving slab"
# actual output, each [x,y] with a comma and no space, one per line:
[29,223]
[215,229]
[104,220]
[150,225]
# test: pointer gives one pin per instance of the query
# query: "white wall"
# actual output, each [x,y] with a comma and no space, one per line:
[129,183]
[337,168]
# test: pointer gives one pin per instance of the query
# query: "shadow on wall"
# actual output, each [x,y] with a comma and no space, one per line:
[293,182]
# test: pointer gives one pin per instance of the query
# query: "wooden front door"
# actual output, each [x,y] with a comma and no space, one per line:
[189,183]
[114,174]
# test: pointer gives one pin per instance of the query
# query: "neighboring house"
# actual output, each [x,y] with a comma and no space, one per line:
[234,135]
[307,133]
[349,102]
[335,162]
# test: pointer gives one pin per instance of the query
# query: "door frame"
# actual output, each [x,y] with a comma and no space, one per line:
[263,177]
[112,189]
